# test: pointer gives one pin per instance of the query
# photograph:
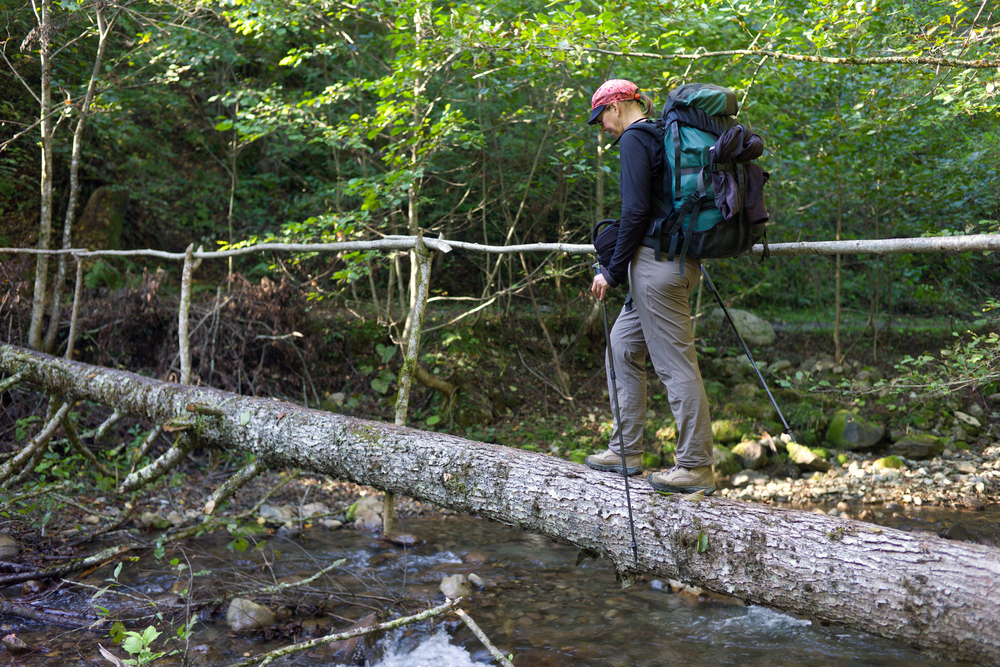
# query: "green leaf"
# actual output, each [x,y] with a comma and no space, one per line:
[245,418]
[433,419]
[702,542]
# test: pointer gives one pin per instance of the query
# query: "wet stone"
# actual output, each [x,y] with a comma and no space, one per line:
[279,515]
[204,655]
[246,615]
[455,586]
[402,539]
[9,547]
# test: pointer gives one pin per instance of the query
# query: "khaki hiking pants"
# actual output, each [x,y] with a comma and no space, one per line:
[660,325]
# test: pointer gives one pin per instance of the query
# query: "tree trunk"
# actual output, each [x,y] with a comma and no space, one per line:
[103,28]
[913,587]
[44,19]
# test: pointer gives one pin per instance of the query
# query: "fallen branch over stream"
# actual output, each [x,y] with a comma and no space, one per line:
[75,565]
[267,658]
[913,587]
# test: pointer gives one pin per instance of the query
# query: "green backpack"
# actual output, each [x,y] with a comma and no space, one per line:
[712,201]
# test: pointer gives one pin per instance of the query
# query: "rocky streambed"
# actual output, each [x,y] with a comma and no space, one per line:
[862,483]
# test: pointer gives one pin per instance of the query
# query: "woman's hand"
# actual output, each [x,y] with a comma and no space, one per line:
[599,287]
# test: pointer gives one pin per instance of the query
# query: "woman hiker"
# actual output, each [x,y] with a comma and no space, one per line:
[660,321]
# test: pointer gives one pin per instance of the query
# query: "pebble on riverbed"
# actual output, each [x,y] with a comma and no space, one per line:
[963,479]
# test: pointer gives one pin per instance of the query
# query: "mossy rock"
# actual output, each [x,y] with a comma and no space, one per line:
[962,446]
[918,446]
[804,458]
[848,431]
[751,454]
[250,529]
[651,461]
[842,459]
[727,430]
[889,462]
[820,452]
[726,463]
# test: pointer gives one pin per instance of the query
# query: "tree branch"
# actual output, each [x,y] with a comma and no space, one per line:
[780,55]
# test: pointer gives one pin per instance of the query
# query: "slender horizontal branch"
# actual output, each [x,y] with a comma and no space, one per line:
[781,55]
[923,245]
[964,243]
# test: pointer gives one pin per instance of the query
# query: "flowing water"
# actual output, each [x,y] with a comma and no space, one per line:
[537,604]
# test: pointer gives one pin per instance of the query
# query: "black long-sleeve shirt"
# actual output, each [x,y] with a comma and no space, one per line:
[642,165]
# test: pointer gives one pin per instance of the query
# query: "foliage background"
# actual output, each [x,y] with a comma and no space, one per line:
[328,120]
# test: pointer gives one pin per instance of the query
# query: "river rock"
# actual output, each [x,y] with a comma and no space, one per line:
[959,533]
[278,515]
[204,655]
[33,587]
[972,503]
[780,367]
[14,644]
[310,510]
[751,454]
[746,478]
[331,524]
[805,459]
[969,424]
[888,463]
[289,530]
[9,547]
[455,586]
[725,463]
[755,331]
[726,430]
[477,581]
[975,410]
[994,399]
[918,446]
[246,615]
[403,539]
[153,521]
[352,651]
[367,519]
[745,390]
[966,468]
[848,431]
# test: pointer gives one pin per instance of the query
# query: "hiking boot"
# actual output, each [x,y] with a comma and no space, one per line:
[608,461]
[684,480]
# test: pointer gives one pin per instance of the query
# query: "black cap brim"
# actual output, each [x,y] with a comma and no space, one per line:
[595,113]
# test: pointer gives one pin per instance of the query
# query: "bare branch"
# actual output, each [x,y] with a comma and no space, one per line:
[268,658]
[476,630]
[780,55]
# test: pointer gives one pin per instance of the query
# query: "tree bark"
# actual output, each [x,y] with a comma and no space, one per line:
[43,17]
[103,28]
[912,587]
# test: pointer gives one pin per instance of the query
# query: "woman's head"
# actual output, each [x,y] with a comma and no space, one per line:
[622,96]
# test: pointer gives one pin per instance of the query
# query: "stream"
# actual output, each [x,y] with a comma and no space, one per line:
[537,603]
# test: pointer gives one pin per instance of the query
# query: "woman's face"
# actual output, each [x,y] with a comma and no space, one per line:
[610,120]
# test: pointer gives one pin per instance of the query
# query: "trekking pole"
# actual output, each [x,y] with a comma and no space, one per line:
[618,419]
[788,429]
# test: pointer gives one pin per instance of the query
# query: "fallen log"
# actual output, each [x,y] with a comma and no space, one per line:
[920,589]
